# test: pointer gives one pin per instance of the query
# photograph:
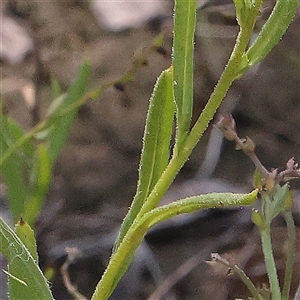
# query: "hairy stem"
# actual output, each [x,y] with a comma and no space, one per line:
[290,254]
[181,156]
[128,245]
[123,255]
[265,235]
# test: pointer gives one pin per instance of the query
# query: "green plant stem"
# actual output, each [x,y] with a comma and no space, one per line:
[49,120]
[21,141]
[128,244]
[93,94]
[246,280]
[40,127]
[179,158]
[229,75]
[239,272]
[288,216]
[265,235]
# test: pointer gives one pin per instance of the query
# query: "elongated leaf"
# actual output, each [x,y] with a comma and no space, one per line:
[194,203]
[184,28]
[158,130]
[136,232]
[279,198]
[41,175]
[156,143]
[14,170]
[10,133]
[62,122]
[26,235]
[26,281]
[272,31]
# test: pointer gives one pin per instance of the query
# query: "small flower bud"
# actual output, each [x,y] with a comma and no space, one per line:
[291,165]
[257,180]
[288,201]
[249,145]
[227,126]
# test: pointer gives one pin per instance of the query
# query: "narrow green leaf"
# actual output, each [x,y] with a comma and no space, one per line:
[279,194]
[41,175]
[14,170]
[272,31]
[157,135]
[11,132]
[194,203]
[119,262]
[30,283]
[56,104]
[156,144]
[26,235]
[183,45]
[61,123]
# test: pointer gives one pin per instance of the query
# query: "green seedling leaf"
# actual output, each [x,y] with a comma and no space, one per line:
[61,121]
[26,235]
[272,31]
[14,170]
[156,144]
[41,175]
[26,281]
[183,46]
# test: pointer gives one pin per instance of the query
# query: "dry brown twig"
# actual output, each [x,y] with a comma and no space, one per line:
[72,255]
[235,269]
[226,125]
